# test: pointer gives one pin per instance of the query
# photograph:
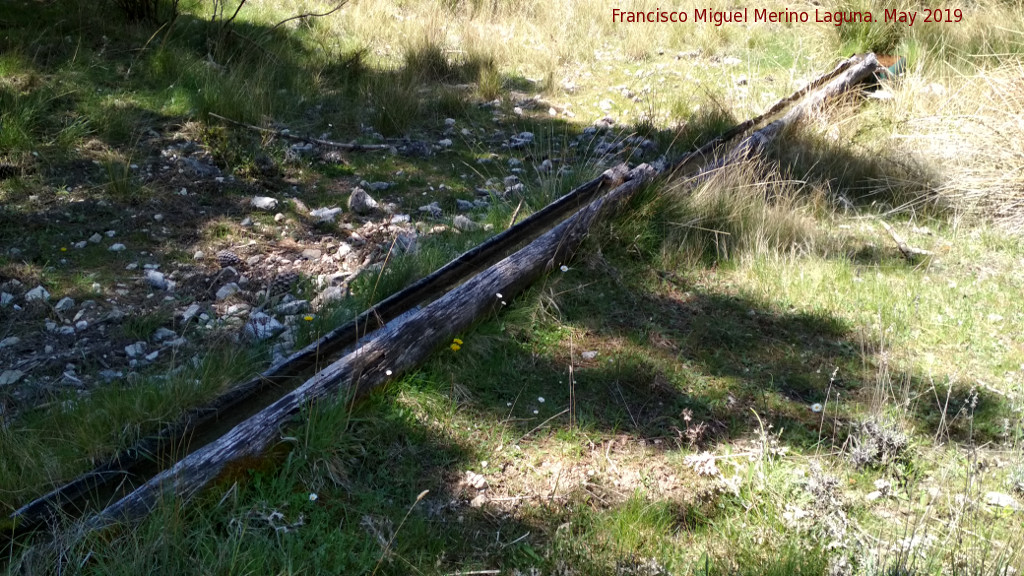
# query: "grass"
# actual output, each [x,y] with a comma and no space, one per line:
[739,374]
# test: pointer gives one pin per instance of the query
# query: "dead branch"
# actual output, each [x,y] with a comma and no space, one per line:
[351,147]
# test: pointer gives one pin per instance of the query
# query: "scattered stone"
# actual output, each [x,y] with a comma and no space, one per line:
[406,243]
[80,245]
[361,202]
[198,255]
[116,247]
[589,354]
[227,290]
[278,217]
[1000,500]
[312,253]
[64,304]
[152,355]
[475,480]
[157,280]
[9,341]
[741,81]
[261,327]
[158,217]
[228,258]
[330,294]
[461,222]
[325,214]
[264,203]
[6,298]
[375,186]
[135,350]
[463,205]
[446,143]
[343,250]
[95,238]
[81,325]
[246,222]
[8,377]
[96,287]
[400,219]
[37,293]
[292,308]
[521,140]
[545,166]
[449,122]
[434,209]
[253,260]
[191,312]
[731,61]
[111,233]
[164,334]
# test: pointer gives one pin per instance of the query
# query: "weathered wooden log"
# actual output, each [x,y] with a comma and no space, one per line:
[347,146]
[851,72]
[426,288]
[381,359]
[128,462]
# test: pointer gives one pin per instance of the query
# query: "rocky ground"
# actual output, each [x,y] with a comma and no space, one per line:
[123,274]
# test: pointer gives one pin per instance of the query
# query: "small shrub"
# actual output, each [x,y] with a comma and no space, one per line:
[875,445]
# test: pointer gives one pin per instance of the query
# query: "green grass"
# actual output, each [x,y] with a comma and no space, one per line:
[715,314]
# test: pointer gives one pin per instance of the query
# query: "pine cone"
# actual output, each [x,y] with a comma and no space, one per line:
[228,258]
[283,282]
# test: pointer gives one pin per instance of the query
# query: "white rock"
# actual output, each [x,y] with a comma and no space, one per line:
[434,209]
[190,312]
[343,250]
[80,245]
[198,255]
[731,61]
[325,214]
[292,308]
[96,287]
[116,247]
[164,334]
[279,217]
[589,354]
[1001,500]
[449,122]
[81,325]
[156,280]
[64,304]
[110,233]
[227,290]
[9,341]
[135,350]
[96,238]
[152,355]
[37,293]
[446,143]
[264,203]
[158,217]
[6,298]
[261,326]
[10,377]
[461,222]
[330,294]
[361,202]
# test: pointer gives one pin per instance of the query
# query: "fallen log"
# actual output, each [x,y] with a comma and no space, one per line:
[345,336]
[392,354]
[347,146]
[379,360]
[131,461]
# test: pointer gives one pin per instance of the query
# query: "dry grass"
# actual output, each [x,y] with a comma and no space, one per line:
[969,128]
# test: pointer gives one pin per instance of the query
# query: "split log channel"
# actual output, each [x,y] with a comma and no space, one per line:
[405,343]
